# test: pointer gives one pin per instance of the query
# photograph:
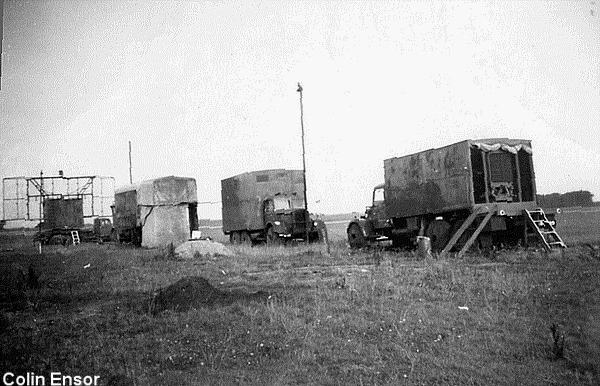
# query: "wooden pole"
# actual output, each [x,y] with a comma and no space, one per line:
[130,175]
[41,197]
[41,208]
[304,161]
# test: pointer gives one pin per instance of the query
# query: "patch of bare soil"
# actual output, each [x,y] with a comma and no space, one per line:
[194,292]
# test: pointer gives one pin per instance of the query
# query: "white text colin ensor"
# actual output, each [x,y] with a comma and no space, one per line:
[54,379]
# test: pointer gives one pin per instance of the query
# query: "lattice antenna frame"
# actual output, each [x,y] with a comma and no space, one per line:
[23,197]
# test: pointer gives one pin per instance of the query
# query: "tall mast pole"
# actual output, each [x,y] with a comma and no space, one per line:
[303,161]
[130,175]
[41,199]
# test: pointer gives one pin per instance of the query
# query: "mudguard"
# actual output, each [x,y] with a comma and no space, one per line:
[365,225]
[279,227]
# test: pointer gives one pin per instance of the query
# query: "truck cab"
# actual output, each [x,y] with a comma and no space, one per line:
[373,225]
[376,212]
[103,229]
[267,205]
[286,218]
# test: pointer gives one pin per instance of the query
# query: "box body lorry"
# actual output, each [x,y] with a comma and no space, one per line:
[266,205]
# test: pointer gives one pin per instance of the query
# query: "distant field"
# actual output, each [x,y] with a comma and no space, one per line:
[579,225]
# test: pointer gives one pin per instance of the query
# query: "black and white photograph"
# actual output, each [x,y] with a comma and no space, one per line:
[299,192]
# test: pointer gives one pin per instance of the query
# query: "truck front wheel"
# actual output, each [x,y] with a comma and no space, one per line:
[137,237]
[356,238]
[234,238]
[245,238]
[272,237]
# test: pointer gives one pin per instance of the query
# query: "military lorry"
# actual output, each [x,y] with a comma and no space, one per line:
[103,230]
[156,212]
[267,205]
[65,215]
[472,191]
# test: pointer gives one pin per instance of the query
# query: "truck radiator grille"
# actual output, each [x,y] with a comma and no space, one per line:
[300,216]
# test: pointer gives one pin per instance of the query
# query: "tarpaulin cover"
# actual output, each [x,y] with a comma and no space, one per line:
[164,225]
[161,207]
[167,191]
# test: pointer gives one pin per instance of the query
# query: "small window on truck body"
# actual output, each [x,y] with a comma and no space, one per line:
[269,207]
[297,202]
[281,203]
[379,195]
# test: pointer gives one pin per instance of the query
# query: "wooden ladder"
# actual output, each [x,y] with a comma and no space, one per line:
[544,229]
[75,237]
[454,239]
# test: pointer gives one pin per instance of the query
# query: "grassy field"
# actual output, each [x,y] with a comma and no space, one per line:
[286,316]
[579,225]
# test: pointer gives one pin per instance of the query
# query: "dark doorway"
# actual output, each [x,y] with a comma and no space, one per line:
[478,175]
[526,175]
[193,215]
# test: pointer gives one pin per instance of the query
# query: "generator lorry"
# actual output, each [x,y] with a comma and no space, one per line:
[267,205]
[472,191]
[64,221]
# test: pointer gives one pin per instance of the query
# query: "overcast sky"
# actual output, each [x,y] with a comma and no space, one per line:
[208,89]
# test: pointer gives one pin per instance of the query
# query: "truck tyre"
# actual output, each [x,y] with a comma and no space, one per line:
[439,231]
[356,238]
[234,238]
[322,236]
[245,238]
[137,237]
[272,237]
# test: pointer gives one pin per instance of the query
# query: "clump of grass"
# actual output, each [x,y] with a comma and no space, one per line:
[167,253]
[32,279]
[558,342]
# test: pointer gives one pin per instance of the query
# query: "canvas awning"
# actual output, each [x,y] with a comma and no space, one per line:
[506,147]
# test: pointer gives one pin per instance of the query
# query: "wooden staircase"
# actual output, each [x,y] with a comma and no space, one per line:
[488,211]
[543,229]
[536,219]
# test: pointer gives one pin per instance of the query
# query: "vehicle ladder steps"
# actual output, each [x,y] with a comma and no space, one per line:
[486,219]
[75,237]
[454,239]
[544,229]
